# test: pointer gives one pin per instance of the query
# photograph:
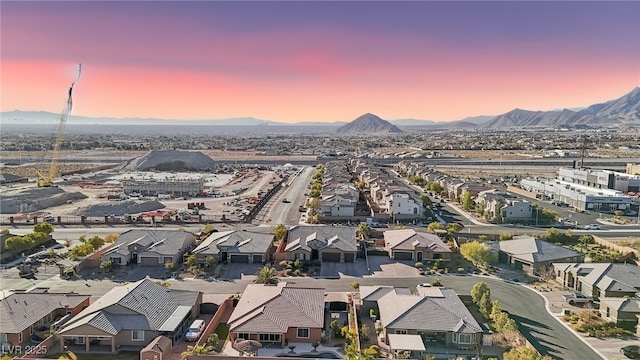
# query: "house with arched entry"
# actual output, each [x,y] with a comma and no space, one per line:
[324,243]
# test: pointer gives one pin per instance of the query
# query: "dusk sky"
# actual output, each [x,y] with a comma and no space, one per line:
[316,61]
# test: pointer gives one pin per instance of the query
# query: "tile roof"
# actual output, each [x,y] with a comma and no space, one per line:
[438,309]
[409,239]
[239,242]
[624,304]
[18,311]
[533,250]
[146,305]
[163,242]
[269,308]
[606,276]
[321,237]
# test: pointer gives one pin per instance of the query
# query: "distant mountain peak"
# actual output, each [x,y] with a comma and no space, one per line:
[369,124]
[624,110]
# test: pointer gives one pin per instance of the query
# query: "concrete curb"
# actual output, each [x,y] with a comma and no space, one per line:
[555,316]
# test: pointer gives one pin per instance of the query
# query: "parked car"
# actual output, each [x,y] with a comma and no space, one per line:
[577,298]
[592,227]
[195,330]
[424,285]
[631,351]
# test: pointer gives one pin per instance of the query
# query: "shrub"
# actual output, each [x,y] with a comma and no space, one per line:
[436,283]
[297,272]
[283,264]
[461,270]
[289,272]
[355,285]
[419,265]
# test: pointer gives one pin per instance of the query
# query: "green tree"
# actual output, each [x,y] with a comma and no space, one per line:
[169,266]
[360,184]
[355,285]
[191,261]
[478,253]
[208,229]
[436,225]
[485,304]
[505,236]
[37,238]
[209,261]
[107,265]
[372,351]
[453,228]
[314,204]
[280,231]
[435,187]
[314,193]
[96,242]
[17,244]
[198,350]
[496,309]
[266,275]
[467,202]
[415,179]
[213,340]
[478,290]
[618,213]
[111,238]
[524,353]
[364,230]
[426,200]
[43,227]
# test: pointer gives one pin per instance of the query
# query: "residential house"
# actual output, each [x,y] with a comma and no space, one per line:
[624,311]
[324,243]
[278,314]
[150,247]
[408,244]
[237,246]
[532,255]
[25,314]
[503,207]
[401,203]
[130,317]
[600,279]
[437,314]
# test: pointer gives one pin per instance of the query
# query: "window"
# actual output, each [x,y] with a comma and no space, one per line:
[404,332]
[270,337]
[79,340]
[20,337]
[303,332]
[3,338]
[243,336]
[137,335]
[462,338]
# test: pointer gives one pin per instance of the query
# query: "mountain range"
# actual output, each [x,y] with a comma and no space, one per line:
[624,111]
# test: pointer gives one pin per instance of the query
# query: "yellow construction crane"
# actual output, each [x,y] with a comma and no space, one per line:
[47,180]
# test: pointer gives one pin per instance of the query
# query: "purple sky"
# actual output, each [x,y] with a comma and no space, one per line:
[324,61]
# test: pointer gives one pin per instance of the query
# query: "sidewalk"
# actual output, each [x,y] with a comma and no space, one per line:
[608,348]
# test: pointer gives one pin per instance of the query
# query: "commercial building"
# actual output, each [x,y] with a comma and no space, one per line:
[173,187]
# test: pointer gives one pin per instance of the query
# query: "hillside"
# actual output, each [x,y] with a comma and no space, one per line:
[369,124]
[622,111]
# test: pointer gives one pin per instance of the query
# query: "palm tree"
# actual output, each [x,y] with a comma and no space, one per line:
[197,350]
[364,230]
[266,275]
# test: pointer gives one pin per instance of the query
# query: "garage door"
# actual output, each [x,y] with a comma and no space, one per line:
[149,260]
[331,257]
[257,259]
[399,255]
[349,257]
[240,259]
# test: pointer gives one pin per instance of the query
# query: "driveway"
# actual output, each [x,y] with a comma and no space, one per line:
[336,270]
[383,266]
[236,271]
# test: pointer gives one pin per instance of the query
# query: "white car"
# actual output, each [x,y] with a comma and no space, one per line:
[592,227]
[424,285]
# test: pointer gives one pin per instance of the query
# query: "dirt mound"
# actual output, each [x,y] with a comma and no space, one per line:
[173,160]
[36,199]
[118,208]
